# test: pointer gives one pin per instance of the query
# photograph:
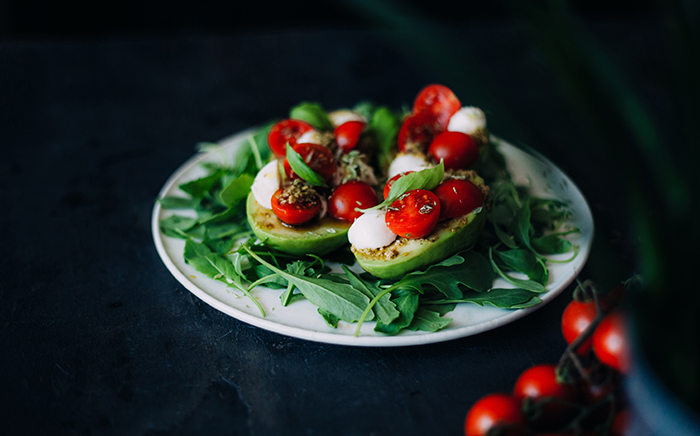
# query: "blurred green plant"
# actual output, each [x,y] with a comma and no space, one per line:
[657,167]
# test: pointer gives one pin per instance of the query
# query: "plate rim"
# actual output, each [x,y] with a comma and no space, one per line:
[399,340]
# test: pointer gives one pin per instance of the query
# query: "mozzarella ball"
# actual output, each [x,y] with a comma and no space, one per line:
[370,231]
[467,120]
[310,137]
[408,162]
[266,183]
[342,116]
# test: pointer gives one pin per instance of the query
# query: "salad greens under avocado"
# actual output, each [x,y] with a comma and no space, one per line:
[521,229]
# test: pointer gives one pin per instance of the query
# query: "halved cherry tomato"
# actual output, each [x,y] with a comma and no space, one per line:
[458,197]
[552,402]
[295,212]
[317,157]
[391,181]
[347,134]
[495,411]
[576,318]
[440,101]
[413,215]
[417,130]
[458,150]
[286,131]
[610,342]
[348,196]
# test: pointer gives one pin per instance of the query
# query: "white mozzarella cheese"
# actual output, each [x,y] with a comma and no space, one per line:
[310,137]
[265,184]
[408,162]
[467,120]
[342,116]
[370,231]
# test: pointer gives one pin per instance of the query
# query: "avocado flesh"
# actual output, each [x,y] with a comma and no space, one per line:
[406,255]
[320,237]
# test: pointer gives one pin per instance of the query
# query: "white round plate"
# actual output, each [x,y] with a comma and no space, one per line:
[300,318]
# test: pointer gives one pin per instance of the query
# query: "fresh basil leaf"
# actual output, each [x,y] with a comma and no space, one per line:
[384,127]
[426,179]
[296,162]
[312,113]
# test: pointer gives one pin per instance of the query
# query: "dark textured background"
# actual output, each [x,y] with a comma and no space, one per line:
[98,338]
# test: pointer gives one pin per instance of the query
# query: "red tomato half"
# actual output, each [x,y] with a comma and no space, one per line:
[610,342]
[391,181]
[413,215]
[317,157]
[348,196]
[440,102]
[458,197]
[417,129]
[495,411]
[458,150]
[347,134]
[286,131]
[576,318]
[553,400]
[294,213]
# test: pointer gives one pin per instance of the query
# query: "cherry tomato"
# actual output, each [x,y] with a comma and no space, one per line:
[416,129]
[439,101]
[552,402]
[613,298]
[610,342]
[348,196]
[286,131]
[458,150]
[317,157]
[414,214]
[576,318]
[458,197]
[347,134]
[294,213]
[495,411]
[391,181]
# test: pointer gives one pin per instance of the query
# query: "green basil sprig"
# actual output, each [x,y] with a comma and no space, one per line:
[302,169]
[427,179]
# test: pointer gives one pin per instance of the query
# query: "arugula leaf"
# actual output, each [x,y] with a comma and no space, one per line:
[312,113]
[406,301]
[385,309]
[236,190]
[199,187]
[172,202]
[427,320]
[177,226]
[515,298]
[427,179]
[342,300]
[525,262]
[530,285]
[330,319]
[551,244]
[302,169]
[365,109]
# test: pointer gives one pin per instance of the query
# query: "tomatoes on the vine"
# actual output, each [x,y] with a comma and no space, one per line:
[414,214]
[295,208]
[317,157]
[458,197]
[347,197]
[550,400]
[391,181]
[577,316]
[610,342]
[440,102]
[286,131]
[496,410]
[348,134]
[456,149]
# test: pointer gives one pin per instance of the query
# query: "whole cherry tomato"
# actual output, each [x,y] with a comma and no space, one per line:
[496,410]
[286,131]
[552,402]
[391,181]
[317,157]
[610,342]
[416,130]
[576,318]
[414,214]
[440,102]
[347,134]
[458,197]
[348,196]
[458,150]
[295,210]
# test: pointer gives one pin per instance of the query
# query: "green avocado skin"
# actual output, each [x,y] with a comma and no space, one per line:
[319,238]
[449,238]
